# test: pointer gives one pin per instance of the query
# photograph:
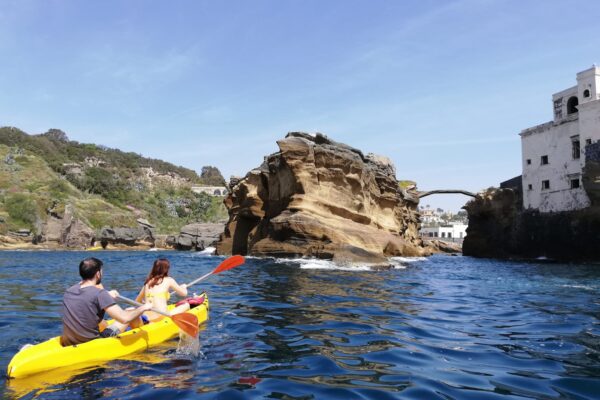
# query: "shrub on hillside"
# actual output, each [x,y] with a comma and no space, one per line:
[211,176]
[102,182]
[21,209]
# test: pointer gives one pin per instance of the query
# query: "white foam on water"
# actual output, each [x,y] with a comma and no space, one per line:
[586,287]
[208,250]
[408,259]
[315,263]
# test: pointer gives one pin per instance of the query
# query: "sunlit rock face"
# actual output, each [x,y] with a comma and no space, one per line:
[322,199]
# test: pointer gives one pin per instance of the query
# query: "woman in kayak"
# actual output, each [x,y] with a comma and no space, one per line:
[157,287]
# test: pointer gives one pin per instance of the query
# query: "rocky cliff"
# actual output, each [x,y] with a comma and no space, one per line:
[499,228]
[591,173]
[57,193]
[323,199]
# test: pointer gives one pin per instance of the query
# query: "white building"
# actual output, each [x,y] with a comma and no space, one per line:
[553,153]
[451,232]
[430,216]
[210,190]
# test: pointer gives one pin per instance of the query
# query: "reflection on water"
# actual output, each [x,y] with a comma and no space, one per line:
[443,328]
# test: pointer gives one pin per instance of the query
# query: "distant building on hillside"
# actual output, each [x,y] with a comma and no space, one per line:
[210,190]
[430,216]
[553,153]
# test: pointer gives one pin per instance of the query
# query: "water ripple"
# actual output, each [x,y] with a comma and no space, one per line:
[441,328]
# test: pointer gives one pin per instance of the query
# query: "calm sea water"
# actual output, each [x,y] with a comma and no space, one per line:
[442,328]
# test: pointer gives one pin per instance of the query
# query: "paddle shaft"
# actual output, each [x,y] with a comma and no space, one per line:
[135,303]
[203,277]
[227,264]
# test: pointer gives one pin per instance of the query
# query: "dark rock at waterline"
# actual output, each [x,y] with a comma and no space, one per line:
[500,228]
[196,236]
[127,236]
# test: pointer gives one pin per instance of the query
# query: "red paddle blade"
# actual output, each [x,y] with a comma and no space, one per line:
[187,323]
[229,263]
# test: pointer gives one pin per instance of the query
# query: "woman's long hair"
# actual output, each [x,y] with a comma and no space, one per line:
[160,270]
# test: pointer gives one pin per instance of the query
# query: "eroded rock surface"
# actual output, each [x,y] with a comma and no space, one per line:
[323,199]
[196,236]
[66,230]
[500,228]
[141,235]
[591,173]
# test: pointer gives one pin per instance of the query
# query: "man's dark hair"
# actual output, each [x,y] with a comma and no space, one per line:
[89,267]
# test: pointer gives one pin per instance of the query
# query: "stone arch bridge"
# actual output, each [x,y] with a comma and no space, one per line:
[446,191]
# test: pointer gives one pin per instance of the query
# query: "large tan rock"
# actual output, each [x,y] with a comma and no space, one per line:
[67,230]
[323,199]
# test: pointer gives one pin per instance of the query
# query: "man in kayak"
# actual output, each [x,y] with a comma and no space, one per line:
[84,306]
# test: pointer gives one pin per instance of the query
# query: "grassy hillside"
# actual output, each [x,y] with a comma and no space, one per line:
[40,174]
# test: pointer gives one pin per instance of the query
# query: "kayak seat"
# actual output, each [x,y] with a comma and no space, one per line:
[192,301]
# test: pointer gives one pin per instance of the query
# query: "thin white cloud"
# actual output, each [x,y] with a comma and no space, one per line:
[134,72]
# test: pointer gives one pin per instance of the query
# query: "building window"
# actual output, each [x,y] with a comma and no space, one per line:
[575,149]
[575,183]
[558,108]
[449,234]
[545,185]
[544,160]
[530,187]
[460,234]
[588,141]
[443,234]
[572,104]
[529,161]
[586,93]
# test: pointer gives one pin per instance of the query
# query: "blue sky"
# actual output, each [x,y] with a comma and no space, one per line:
[441,87]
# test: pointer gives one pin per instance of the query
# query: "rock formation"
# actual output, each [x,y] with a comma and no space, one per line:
[196,236]
[591,173]
[492,219]
[142,235]
[64,229]
[499,228]
[323,199]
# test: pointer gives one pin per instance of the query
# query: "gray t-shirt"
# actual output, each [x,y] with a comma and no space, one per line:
[82,311]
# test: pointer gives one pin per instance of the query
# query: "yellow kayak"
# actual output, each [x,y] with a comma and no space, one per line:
[95,248]
[50,354]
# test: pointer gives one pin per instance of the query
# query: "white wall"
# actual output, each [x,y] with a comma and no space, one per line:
[555,139]
[455,231]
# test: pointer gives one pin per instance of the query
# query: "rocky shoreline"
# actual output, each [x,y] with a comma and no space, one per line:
[196,237]
[314,198]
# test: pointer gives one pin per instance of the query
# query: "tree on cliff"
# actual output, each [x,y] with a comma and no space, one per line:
[211,176]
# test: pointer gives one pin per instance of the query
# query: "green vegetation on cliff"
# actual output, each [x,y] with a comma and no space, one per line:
[41,174]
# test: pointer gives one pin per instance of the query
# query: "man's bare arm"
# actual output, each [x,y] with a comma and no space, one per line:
[126,316]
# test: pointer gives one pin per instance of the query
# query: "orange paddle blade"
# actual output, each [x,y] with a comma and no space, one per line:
[229,263]
[187,323]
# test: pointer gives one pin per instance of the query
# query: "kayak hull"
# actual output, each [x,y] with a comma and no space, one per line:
[50,354]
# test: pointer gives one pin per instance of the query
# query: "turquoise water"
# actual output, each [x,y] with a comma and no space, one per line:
[442,328]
